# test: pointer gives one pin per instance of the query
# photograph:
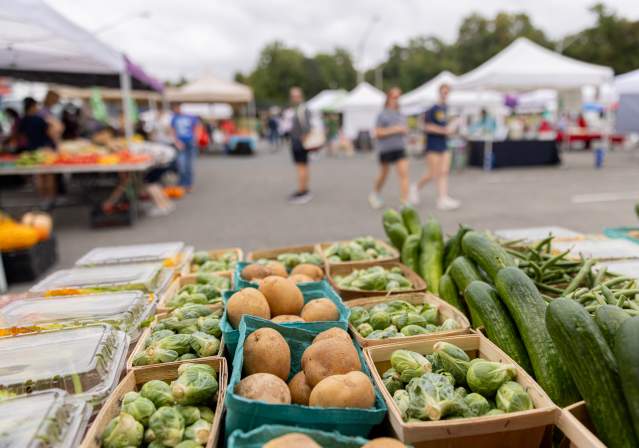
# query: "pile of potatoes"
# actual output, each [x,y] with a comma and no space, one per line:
[302,273]
[331,373]
[280,300]
[300,440]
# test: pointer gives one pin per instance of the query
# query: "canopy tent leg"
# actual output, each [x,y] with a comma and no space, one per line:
[125,86]
[252,115]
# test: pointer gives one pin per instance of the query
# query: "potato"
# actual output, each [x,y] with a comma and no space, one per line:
[286,318]
[276,268]
[352,390]
[254,272]
[333,333]
[320,309]
[300,278]
[247,301]
[310,270]
[282,295]
[295,439]
[266,351]
[300,389]
[329,357]
[264,387]
[384,442]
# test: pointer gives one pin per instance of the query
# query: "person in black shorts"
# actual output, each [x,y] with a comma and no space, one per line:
[301,126]
[390,130]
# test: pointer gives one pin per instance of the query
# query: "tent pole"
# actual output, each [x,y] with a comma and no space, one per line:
[125,86]
[251,110]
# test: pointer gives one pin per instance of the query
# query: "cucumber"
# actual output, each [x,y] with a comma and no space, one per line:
[453,246]
[397,234]
[410,252]
[498,325]
[609,318]
[431,258]
[448,292]
[627,356]
[528,309]
[463,272]
[584,349]
[488,254]
[411,220]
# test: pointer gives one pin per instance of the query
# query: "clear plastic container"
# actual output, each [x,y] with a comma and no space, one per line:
[51,419]
[86,361]
[124,311]
[171,254]
[599,249]
[532,234]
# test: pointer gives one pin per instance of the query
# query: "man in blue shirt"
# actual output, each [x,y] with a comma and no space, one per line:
[183,126]
[437,129]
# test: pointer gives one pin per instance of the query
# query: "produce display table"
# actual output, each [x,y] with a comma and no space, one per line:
[515,153]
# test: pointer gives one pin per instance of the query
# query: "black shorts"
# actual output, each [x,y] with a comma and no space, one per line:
[392,156]
[300,155]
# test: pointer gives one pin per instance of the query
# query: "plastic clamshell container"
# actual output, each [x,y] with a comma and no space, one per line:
[125,311]
[52,419]
[85,361]
[533,234]
[599,249]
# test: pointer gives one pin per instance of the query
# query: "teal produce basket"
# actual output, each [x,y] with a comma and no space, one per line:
[260,436]
[245,414]
[240,283]
[622,232]
[310,291]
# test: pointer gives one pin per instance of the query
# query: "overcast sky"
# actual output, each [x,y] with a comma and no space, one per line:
[190,37]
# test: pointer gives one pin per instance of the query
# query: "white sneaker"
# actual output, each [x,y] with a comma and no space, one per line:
[413,194]
[375,200]
[447,203]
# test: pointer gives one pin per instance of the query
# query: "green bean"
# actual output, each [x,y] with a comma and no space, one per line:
[579,278]
[600,299]
[610,298]
[600,276]
[551,262]
[517,254]
[548,288]
[621,301]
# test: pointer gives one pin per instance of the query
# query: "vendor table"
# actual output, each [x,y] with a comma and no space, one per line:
[515,153]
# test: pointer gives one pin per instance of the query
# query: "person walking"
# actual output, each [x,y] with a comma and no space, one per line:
[390,130]
[437,130]
[183,127]
[300,128]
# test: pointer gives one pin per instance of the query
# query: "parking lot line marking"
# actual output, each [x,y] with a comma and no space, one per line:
[605,197]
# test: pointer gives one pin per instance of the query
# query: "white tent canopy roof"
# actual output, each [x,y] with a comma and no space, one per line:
[628,83]
[363,96]
[427,93]
[326,99]
[210,89]
[524,65]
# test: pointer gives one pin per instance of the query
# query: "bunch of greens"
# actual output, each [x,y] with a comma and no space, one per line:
[447,384]
[192,331]
[363,248]
[398,318]
[204,262]
[206,290]
[162,415]
[376,278]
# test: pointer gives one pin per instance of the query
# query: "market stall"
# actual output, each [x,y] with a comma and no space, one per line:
[359,111]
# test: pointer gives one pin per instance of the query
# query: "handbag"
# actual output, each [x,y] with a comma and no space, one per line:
[315,139]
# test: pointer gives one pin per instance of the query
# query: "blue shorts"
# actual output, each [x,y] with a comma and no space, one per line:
[435,150]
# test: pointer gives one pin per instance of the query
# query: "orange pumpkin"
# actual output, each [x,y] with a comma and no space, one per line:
[41,222]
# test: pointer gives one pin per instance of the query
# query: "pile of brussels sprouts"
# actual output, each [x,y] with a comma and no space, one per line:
[163,415]
[292,259]
[376,278]
[359,249]
[397,319]
[192,331]
[203,262]
[206,290]
[447,384]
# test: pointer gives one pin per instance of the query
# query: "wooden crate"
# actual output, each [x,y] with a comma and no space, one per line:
[575,423]
[167,372]
[523,429]
[321,247]
[180,281]
[271,254]
[446,311]
[419,285]
[139,345]
[218,252]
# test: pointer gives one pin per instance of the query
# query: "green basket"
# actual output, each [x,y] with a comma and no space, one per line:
[245,415]
[621,232]
[310,291]
[240,283]
[260,436]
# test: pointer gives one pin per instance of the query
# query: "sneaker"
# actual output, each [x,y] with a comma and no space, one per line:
[300,198]
[375,200]
[448,203]
[413,194]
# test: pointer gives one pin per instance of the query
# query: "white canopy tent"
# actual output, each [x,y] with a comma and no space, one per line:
[210,89]
[627,87]
[326,100]
[360,109]
[628,83]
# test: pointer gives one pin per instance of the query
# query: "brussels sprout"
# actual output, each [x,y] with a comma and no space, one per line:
[359,315]
[157,335]
[156,444]
[153,355]
[149,437]
[167,426]
[412,330]
[190,366]
[432,397]
[198,431]
[494,412]
[460,392]
[206,413]
[431,315]
[186,357]
[123,431]
[176,301]
[511,397]
[485,377]
[379,308]
[451,350]
[189,329]
[389,332]
[402,400]
[409,364]
[380,320]
[194,387]
[200,257]
[140,409]
[173,323]
[477,404]
[130,397]
[191,311]
[377,334]
[449,376]
[392,380]
[448,325]
[158,392]
[435,362]
[364,329]
[453,360]
[209,325]
[189,444]
[204,344]
[191,414]
[180,343]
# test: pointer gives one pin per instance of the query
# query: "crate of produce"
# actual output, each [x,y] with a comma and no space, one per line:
[249,274]
[574,422]
[26,265]
[357,250]
[218,260]
[404,318]
[179,292]
[189,332]
[374,278]
[433,397]
[126,311]
[292,436]
[161,418]
[254,303]
[317,398]
[49,418]
[290,256]
[84,361]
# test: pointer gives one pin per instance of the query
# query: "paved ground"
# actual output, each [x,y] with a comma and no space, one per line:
[241,202]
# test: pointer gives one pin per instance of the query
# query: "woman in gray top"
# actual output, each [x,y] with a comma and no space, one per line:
[390,130]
